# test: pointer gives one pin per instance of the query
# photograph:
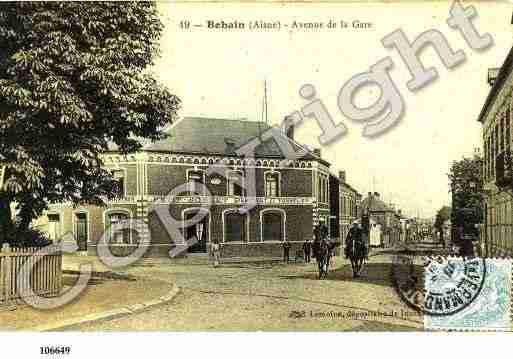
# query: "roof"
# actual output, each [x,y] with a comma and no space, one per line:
[215,136]
[351,188]
[504,72]
[376,205]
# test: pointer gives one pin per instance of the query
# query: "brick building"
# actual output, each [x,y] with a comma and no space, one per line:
[350,201]
[495,117]
[290,197]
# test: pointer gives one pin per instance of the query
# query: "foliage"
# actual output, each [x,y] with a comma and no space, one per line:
[466,183]
[73,84]
[442,215]
[27,237]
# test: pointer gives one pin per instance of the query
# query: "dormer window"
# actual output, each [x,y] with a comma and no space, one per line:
[196,181]
[119,178]
[272,184]
[236,183]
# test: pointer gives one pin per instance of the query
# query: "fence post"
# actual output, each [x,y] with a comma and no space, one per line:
[7,270]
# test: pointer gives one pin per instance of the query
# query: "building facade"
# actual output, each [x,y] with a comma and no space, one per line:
[495,117]
[195,185]
[349,204]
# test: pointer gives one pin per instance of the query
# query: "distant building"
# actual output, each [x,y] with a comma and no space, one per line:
[381,215]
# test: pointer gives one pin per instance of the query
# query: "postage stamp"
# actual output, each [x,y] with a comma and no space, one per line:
[468,294]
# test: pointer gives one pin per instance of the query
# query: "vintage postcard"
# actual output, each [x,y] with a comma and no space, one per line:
[262,166]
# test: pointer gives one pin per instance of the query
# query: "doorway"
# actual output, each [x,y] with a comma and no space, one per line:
[198,231]
[81,230]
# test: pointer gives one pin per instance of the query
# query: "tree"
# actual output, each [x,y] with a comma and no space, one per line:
[442,215]
[74,81]
[466,183]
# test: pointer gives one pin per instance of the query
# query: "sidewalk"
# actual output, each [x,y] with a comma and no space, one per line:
[109,294]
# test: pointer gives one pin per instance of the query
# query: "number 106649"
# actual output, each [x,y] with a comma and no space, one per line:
[55,350]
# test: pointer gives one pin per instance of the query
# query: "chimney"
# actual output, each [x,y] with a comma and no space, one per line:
[317,152]
[230,145]
[342,176]
[288,126]
[492,75]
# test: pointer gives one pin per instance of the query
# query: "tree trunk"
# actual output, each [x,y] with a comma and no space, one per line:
[6,224]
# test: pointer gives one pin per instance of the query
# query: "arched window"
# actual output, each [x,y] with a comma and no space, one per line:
[235,226]
[272,225]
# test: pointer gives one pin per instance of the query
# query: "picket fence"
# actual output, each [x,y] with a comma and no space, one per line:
[45,278]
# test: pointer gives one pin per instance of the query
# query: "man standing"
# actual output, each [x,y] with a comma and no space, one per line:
[307,249]
[286,251]
[216,252]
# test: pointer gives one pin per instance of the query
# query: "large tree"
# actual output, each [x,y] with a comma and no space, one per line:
[466,184]
[74,80]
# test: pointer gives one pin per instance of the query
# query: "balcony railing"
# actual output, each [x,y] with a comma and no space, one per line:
[234,200]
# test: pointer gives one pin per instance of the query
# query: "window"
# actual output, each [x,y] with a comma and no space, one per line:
[272,183]
[235,183]
[119,178]
[272,226]
[54,226]
[196,180]
[235,227]
[501,135]
[119,228]
[508,130]
[322,189]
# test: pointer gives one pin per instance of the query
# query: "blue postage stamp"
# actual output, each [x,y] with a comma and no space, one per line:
[468,294]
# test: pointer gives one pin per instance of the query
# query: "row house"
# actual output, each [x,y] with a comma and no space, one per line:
[350,200]
[159,194]
[495,118]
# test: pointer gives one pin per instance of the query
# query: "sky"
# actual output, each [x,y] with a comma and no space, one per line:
[221,74]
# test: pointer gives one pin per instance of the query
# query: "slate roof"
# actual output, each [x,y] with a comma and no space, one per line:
[215,136]
[502,76]
[376,205]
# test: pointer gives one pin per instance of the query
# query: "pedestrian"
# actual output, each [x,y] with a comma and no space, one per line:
[307,249]
[216,252]
[286,252]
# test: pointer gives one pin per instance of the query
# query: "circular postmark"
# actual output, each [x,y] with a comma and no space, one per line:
[437,285]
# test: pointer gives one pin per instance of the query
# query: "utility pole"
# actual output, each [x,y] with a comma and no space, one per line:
[2,176]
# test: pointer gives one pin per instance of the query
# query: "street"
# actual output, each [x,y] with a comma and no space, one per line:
[273,297]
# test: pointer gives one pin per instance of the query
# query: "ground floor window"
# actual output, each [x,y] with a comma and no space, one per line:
[235,229]
[272,226]
[54,226]
[118,228]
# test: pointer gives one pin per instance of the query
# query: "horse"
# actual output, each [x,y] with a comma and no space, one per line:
[322,254]
[356,251]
